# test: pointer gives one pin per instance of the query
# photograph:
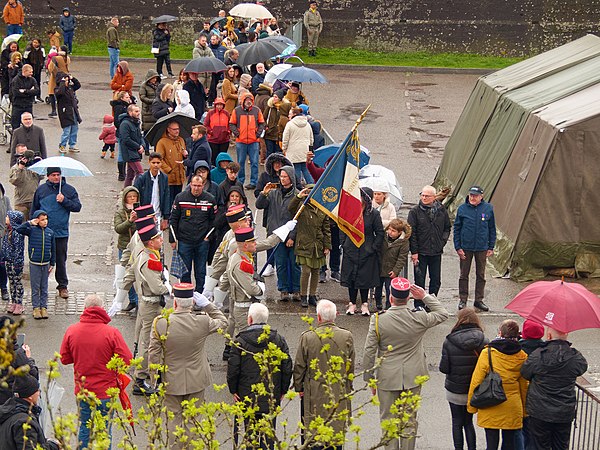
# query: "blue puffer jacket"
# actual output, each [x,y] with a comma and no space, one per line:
[13,244]
[42,246]
[475,227]
[58,213]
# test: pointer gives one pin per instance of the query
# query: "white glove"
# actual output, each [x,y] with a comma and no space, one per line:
[200,300]
[263,288]
[291,224]
[281,232]
[117,303]
[167,282]
[209,286]
[219,298]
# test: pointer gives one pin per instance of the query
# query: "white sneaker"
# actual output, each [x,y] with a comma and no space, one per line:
[269,271]
[351,309]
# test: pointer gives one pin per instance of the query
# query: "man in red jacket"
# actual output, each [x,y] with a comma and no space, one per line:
[89,345]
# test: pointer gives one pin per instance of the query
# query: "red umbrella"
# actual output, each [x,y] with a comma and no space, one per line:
[563,306]
[123,381]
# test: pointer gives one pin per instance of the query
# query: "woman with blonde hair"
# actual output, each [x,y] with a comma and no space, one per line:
[163,104]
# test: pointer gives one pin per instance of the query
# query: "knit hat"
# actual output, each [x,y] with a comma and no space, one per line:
[304,108]
[51,170]
[25,386]
[108,119]
[280,93]
[532,330]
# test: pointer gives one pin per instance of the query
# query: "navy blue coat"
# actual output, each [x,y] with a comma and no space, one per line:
[42,245]
[144,185]
[475,227]
[199,151]
[197,96]
[58,213]
[130,138]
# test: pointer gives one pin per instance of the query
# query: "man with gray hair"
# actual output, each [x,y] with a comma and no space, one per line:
[29,134]
[179,344]
[89,345]
[243,371]
[318,395]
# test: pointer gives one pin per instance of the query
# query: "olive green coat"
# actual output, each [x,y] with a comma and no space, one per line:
[124,226]
[313,233]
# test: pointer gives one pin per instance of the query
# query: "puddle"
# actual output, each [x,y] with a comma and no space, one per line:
[422,84]
[432,107]
[432,122]
[353,111]
[419,130]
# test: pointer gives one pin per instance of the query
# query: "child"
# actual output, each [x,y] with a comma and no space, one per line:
[13,249]
[394,257]
[218,174]
[42,259]
[381,203]
[231,179]
[108,135]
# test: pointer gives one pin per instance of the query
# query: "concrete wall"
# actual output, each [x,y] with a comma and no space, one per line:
[498,27]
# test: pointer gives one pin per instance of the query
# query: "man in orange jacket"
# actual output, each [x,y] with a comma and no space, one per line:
[13,17]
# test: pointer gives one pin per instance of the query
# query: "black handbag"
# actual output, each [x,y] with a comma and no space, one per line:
[490,392]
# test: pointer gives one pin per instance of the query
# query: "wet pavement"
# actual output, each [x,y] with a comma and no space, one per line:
[411,117]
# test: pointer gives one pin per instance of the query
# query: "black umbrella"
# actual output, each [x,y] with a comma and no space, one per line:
[222,20]
[165,19]
[205,64]
[261,50]
[158,129]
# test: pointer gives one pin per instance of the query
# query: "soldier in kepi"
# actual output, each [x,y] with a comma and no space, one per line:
[147,274]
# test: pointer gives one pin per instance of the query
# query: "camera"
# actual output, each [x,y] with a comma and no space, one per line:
[28,158]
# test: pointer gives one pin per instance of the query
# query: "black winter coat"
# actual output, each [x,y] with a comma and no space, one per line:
[243,371]
[130,138]
[197,151]
[197,96]
[160,108]
[161,40]
[552,371]
[430,229]
[360,265]
[13,414]
[66,101]
[192,217]
[23,99]
[20,359]
[460,352]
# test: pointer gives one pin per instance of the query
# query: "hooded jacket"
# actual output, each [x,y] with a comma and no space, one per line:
[130,135]
[243,371]
[475,227]
[147,95]
[109,131]
[123,225]
[271,114]
[431,228]
[58,213]
[218,174]
[209,186]
[14,414]
[184,105]
[217,126]
[123,79]
[277,203]
[13,14]
[66,100]
[460,352]
[246,124]
[67,23]
[313,233]
[552,371]
[394,253]
[19,360]
[197,96]
[89,345]
[13,243]
[160,40]
[297,139]
[172,151]
[201,52]
[42,245]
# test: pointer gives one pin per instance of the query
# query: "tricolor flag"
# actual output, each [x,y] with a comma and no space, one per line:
[337,192]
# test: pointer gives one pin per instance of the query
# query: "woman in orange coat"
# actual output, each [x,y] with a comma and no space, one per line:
[123,79]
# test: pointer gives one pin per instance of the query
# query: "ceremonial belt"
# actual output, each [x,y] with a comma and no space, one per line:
[151,298]
[242,304]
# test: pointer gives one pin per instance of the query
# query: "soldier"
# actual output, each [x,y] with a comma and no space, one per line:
[403,331]
[183,350]
[313,389]
[147,271]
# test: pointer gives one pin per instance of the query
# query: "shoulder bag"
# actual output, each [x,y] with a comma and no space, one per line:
[490,392]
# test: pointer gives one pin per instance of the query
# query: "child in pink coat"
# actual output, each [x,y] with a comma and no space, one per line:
[109,136]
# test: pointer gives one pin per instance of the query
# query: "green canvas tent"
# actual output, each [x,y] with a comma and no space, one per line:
[494,120]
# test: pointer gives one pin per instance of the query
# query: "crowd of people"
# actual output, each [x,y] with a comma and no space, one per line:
[196,193]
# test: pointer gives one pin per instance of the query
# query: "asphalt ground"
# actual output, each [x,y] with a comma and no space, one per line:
[411,117]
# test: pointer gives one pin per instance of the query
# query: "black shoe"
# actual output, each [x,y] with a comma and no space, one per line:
[129,307]
[226,353]
[481,306]
[250,187]
[304,301]
[323,277]
[462,304]
[141,387]
[5,295]
[285,297]
[312,300]
[52,114]
[335,276]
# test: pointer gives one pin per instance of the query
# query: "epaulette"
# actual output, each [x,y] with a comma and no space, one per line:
[154,263]
[246,266]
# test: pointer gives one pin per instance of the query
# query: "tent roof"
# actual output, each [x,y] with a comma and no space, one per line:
[573,109]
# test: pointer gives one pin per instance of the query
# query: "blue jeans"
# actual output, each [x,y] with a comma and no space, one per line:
[288,272]
[302,171]
[38,278]
[272,147]
[69,134]
[14,29]
[252,151]
[198,254]
[85,414]
[133,297]
[113,54]
[68,37]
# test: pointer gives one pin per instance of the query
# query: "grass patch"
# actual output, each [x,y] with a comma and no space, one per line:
[131,49]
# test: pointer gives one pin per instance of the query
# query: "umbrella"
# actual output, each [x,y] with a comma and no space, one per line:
[69,167]
[11,38]
[302,74]
[214,20]
[206,64]
[123,381]
[563,306]
[322,155]
[165,19]
[381,179]
[158,129]
[261,50]
[271,75]
[250,11]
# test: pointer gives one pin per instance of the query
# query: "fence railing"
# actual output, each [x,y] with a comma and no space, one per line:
[585,434]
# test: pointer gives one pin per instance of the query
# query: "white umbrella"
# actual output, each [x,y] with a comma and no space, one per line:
[381,179]
[69,167]
[10,38]
[250,11]
[271,75]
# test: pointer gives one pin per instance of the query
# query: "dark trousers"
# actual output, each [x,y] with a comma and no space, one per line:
[68,37]
[272,146]
[107,147]
[166,59]
[384,281]
[264,442]
[462,419]
[174,189]
[465,269]
[433,264]
[3,276]
[61,262]
[216,149]
[15,116]
[196,254]
[547,435]
[492,438]
[353,294]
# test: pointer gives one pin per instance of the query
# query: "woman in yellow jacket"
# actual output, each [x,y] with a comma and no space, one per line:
[507,359]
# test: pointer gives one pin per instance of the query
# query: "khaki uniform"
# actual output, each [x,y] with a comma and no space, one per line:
[184,353]
[314,25]
[315,394]
[150,286]
[403,330]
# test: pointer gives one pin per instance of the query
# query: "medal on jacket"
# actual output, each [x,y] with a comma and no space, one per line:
[483,217]
[188,212]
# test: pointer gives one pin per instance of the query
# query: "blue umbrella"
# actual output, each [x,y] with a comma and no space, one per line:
[322,155]
[302,74]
